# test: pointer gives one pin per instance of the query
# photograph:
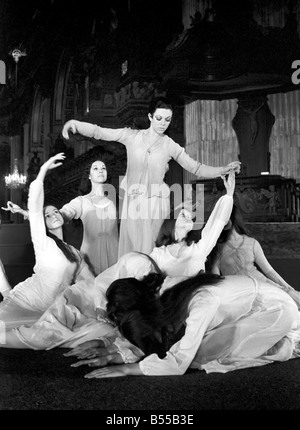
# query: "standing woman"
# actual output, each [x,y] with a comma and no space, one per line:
[57,264]
[99,218]
[146,196]
[98,215]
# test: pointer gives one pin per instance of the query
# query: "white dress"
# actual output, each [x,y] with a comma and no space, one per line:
[72,317]
[53,272]
[245,259]
[239,323]
[100,229]
[177,261]
[146,200]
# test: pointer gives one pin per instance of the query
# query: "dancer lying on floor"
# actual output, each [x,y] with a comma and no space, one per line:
[79,313]
[207,322]
[57,264]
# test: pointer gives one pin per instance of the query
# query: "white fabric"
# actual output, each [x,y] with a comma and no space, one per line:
[245,259]
[188,262]
[191,259]
[53,272]
[74,312]
[4,284]
[144,179]
[100,230]
[229,326]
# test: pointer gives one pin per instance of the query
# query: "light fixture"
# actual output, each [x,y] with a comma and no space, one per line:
[15,180]
[17,54]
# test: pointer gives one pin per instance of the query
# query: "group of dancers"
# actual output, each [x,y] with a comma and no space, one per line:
[149,300]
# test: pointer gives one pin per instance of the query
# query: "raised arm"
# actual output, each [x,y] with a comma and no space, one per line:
[94,131]
[218,218]
[36,202]
[179,154]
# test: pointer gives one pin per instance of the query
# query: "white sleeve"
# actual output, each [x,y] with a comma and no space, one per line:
[121,135]
[179,357]
[179,154]
[73,209]
[36,217]
[215,224]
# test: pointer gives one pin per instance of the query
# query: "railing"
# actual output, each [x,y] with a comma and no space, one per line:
[265,198]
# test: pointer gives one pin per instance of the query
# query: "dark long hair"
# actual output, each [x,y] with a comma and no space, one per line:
[166,234]
[237,222]
[63,246]
[85,183]
[150,322]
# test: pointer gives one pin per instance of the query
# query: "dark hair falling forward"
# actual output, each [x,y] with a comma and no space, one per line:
[150,322]
[238,224]
[64,247]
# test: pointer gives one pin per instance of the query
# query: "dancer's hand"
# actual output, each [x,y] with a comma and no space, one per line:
[54,161]
[70,125]
[12,207]
[84,128]
[234,166]
[50,164]
[115,371]
[229,183]
[91,349]
[114,358]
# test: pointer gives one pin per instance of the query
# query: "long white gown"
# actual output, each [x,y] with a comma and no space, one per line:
[239,323]
[53,272]
[146,196]
[72,317]
[100,229]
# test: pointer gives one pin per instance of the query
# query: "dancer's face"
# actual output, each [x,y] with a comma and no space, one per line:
[160,120]
[98,172]
[184,224]
[53,218]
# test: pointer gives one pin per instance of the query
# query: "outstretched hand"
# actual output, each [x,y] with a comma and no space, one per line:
[229,183]
[234,167]
[69,126]
[90,349]
[101,361]
[54,161]
[12,207]
[108,372]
